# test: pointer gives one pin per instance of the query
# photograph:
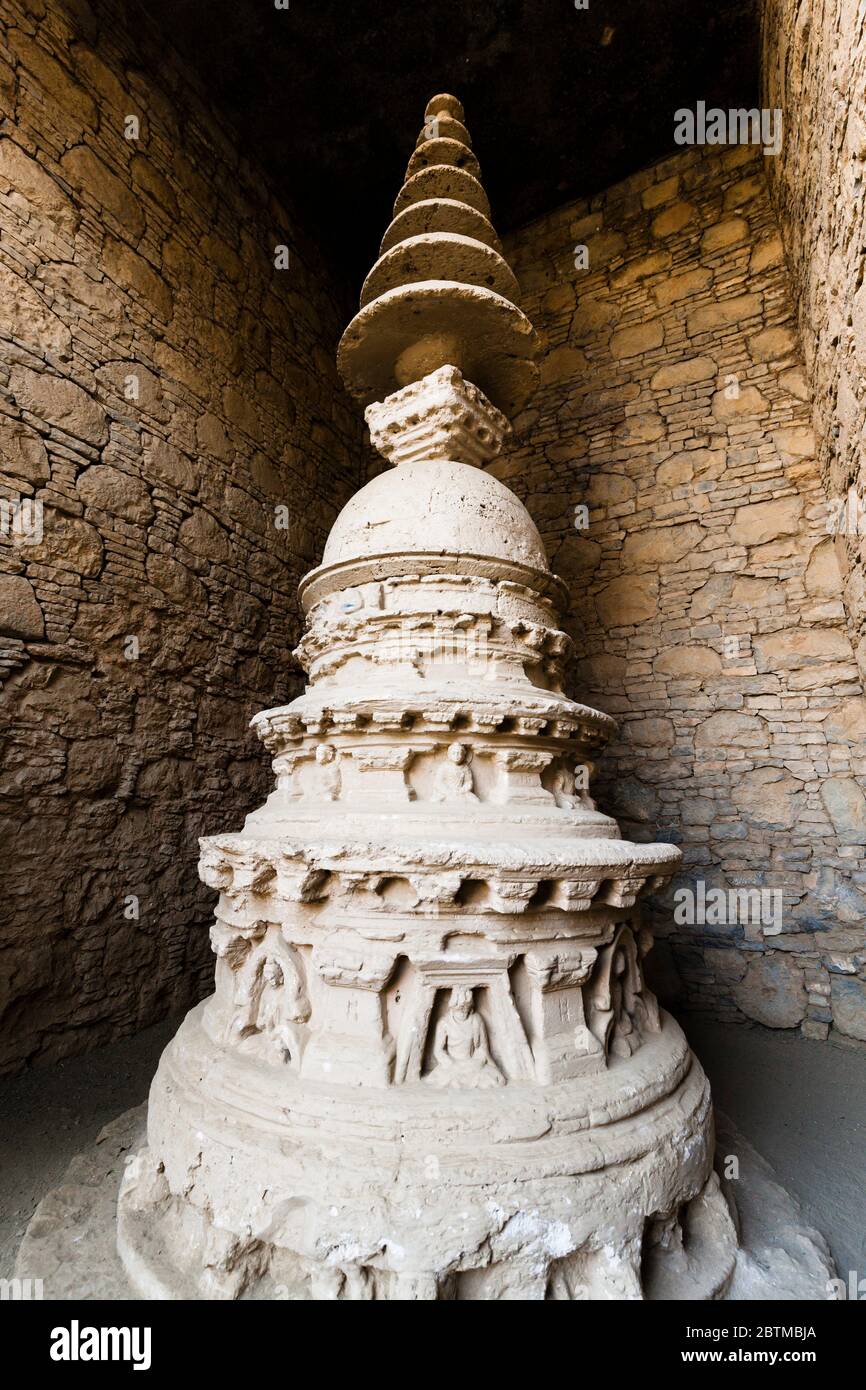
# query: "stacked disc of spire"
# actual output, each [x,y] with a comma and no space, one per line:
[441,292]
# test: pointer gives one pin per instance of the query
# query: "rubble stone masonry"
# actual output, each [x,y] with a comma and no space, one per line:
[170,397]
[707,596]
[815,73]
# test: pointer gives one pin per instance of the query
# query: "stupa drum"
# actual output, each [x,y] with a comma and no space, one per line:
[431,1067]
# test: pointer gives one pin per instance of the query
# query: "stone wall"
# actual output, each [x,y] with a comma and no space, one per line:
[707,597]
[815,73]
[169,396]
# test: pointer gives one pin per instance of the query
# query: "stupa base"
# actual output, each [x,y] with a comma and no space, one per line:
[71,1241]
[600,1187]
[158,1264]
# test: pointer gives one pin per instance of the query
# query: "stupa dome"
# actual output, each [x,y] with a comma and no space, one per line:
[435,506]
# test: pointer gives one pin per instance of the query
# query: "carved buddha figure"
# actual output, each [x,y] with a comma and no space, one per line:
[460,1047]
[562,786]
[273,1001]
[623,999]
[454,777]
[329,782]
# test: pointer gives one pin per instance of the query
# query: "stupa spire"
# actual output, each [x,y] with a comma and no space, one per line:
[441,292]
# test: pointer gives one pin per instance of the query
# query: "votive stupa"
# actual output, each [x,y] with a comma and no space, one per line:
[431,1067]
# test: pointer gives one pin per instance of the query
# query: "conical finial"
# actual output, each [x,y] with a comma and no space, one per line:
[441,293]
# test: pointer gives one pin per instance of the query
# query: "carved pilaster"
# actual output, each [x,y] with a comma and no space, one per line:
[564,1047]
[350,1043]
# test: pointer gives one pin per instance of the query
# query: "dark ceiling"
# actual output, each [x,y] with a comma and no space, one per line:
[560,102]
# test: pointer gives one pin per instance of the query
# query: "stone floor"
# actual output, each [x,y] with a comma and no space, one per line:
[801,1104]
[50,1114]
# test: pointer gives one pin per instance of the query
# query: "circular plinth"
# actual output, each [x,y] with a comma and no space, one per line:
[254,1180]
[72,1236]
[329,579]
